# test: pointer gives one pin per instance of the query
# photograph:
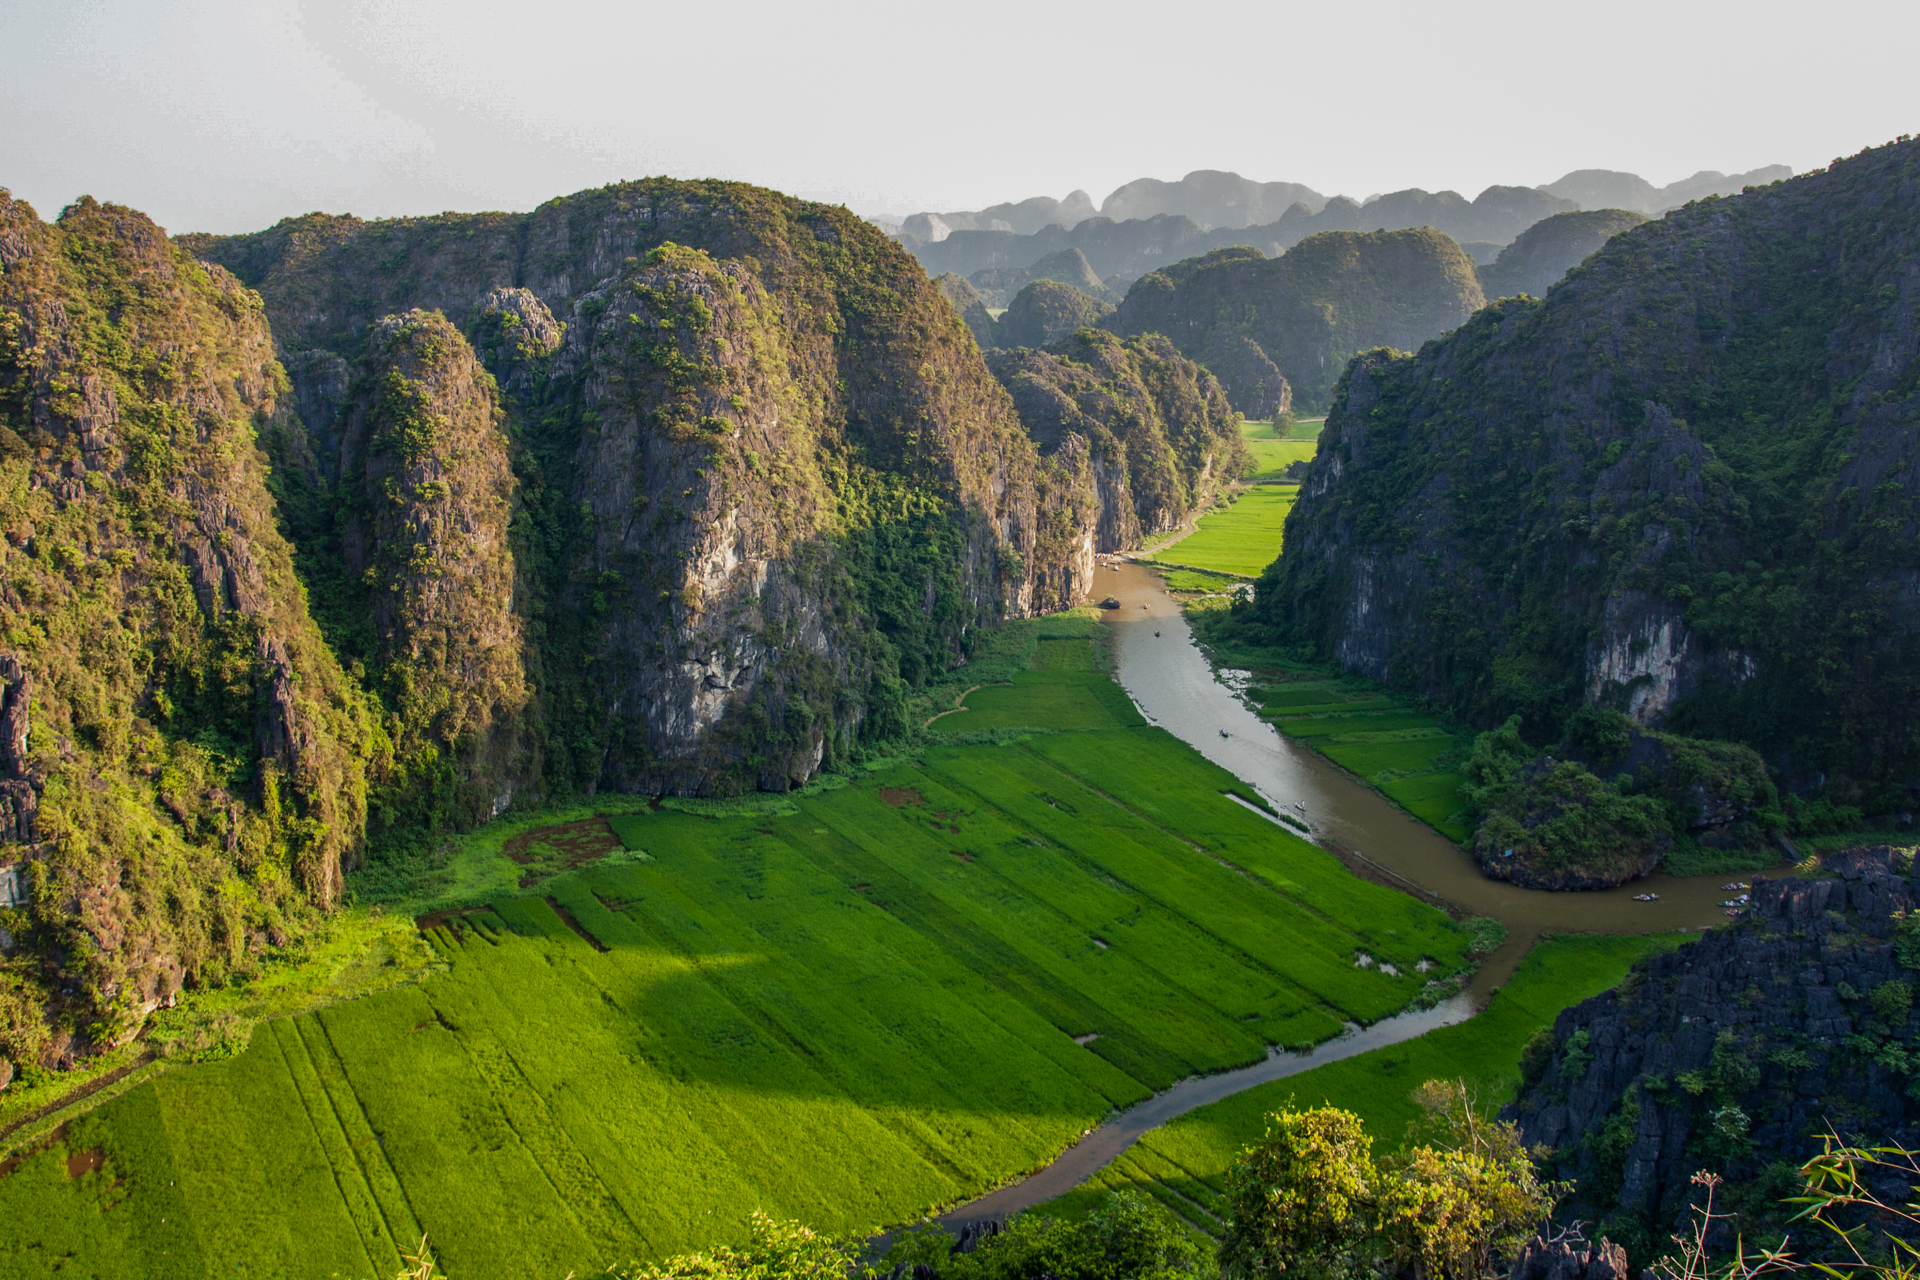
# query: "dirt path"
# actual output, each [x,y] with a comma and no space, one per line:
[956,707]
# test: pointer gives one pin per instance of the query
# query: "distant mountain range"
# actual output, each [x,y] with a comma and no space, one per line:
[1147,223]
[1217,199]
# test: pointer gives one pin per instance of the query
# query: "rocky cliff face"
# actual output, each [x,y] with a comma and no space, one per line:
[1550,248]
[1683,485]
[760,482]
[1736,1053]
[1157,432]
[1278,330]
[182,768]
[425,496]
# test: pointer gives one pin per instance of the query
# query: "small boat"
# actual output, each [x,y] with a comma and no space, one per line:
[1646,897]
[1223,733]
[1301,806]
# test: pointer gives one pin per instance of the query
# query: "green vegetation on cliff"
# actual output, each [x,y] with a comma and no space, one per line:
[1679,487]
[184,771]
[1156,431]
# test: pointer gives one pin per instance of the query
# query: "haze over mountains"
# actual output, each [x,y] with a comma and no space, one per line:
[1213,198]
[1148,223]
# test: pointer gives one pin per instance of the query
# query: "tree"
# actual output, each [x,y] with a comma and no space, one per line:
[1302,1199]
[1310,1199]
[775,1250]
[1128,1237]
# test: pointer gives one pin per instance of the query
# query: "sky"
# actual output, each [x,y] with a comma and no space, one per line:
[212,115]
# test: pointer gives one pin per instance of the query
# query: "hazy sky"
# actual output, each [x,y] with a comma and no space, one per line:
[225,116]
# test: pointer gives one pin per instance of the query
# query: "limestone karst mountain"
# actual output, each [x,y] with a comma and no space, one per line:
[1610,189]
[1149,224]
[998,285]
[1277,331]
[1210,197]
[1550,248]
[1047,311]
[1161,436]
[187,765]
[661,487]
[1682,485]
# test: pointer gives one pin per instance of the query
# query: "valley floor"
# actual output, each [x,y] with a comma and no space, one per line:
[848,1007]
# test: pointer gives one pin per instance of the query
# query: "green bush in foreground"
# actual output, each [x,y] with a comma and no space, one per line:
[1128,1238]
[1309,1198]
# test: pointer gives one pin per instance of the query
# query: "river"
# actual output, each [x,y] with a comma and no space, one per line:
[1175,687]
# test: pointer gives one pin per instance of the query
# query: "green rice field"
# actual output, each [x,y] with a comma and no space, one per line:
[1242,540]
[847,1006]
[1274,448]
[1184,1164]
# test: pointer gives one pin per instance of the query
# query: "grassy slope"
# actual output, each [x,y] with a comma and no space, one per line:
[1184,1164]
[847,1006]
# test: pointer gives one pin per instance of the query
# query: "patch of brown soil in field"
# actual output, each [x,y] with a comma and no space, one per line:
[437,919]
[547,851]
[82,1163]
[901,797]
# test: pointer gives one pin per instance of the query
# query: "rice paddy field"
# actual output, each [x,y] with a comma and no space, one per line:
[1273,448]
[1193,580]
[848,1006]
[1241,540]
[1184,1164]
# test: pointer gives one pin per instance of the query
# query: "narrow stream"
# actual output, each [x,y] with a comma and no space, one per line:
[1174,686]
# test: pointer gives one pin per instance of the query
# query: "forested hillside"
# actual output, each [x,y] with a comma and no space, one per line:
[186,765]
[1683,486]
[1160,435]
[1279,330]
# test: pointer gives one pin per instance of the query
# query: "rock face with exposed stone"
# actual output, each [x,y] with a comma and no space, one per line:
[1736,1053]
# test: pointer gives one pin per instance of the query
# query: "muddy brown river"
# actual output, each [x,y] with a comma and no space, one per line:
[1175,687]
